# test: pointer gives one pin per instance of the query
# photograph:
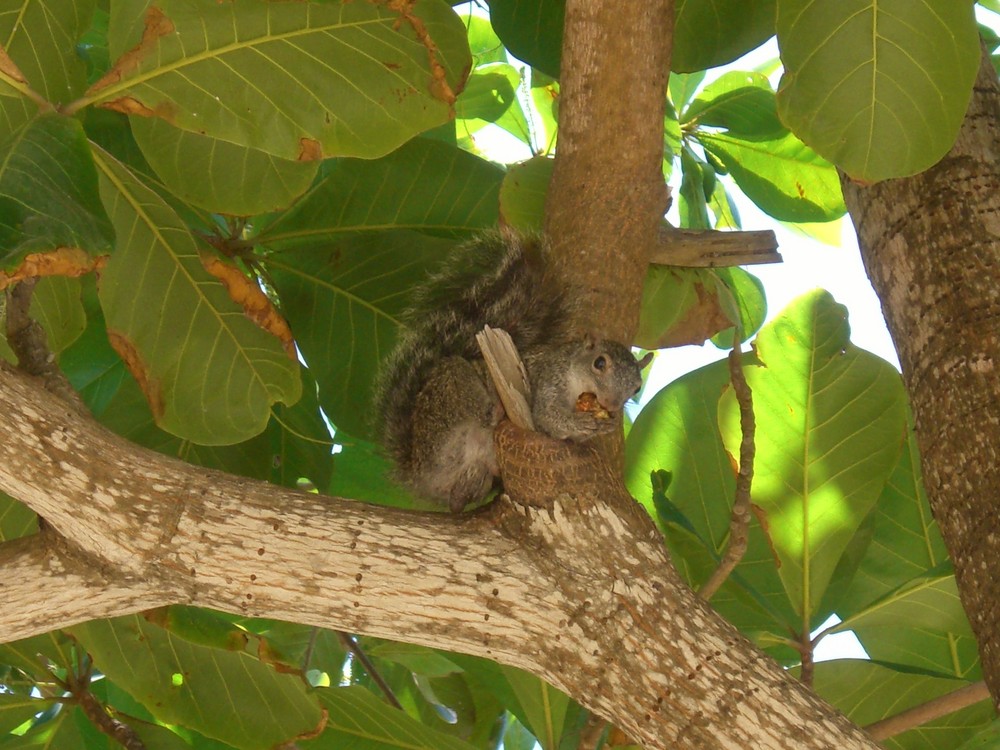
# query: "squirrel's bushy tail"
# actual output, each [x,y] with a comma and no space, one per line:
[499,280]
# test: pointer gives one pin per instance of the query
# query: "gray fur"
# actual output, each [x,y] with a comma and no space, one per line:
[434,404]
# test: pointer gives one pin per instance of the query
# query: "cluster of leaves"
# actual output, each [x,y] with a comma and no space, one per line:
[228,204]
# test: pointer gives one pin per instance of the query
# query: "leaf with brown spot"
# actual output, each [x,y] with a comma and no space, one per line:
[8,70]
[211,374]
[295,80]
[155,26]
[248,295]
[133,361]
[63,261]
[48,194]
[310,149]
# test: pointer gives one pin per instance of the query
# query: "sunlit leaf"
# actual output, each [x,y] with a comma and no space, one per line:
[708,33]
[830,427]
[300,81]
[878,88]
[785,178]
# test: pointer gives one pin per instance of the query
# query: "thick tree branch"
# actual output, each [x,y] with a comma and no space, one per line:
[579,593]
[931,246]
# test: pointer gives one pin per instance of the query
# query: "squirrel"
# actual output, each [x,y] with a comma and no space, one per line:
[435,405]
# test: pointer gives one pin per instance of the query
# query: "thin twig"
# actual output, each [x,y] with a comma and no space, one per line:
[739,524]
[932,709]
[352,645]
[93,709]
[28,341]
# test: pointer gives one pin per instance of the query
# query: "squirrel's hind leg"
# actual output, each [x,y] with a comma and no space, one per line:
[454,416]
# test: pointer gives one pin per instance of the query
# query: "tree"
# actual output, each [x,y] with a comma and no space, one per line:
[211,215]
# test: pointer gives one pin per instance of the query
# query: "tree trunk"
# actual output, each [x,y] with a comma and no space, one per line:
[931,245]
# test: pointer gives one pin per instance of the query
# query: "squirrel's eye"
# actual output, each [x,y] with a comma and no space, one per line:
[600,363]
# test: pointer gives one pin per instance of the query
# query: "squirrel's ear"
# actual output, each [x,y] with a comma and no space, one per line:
[647,358]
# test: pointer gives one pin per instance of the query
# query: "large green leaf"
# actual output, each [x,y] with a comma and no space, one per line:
[531,30]
[708,33]
[905,542]
[16,519]
[295,445]
[17,709]
[361,471]
[222,693]
[208,372]
[878,88]
[425,185]
[929,602]
[55,304]
[741,102]
[831,422]
[40,37]
[219,176]
[678,432]
[783,176]
[48,192]
[343,300]
[297,80]
[356,718]
[869,691]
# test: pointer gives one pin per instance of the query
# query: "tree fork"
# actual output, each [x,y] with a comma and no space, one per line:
[931,246]
[585,583]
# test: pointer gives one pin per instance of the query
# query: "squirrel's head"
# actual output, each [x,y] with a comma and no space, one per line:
[610,372]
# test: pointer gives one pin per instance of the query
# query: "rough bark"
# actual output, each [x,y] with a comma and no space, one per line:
[579,592]
[607,196]
[931,246]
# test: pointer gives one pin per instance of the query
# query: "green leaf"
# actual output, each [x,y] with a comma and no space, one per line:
[531,30]
[48,192]
[709,33]
[523,192]
[831,421]
[785,178]
[208,372]
[362,472]
[748,293]
[488,93]
[928,602]
[359,719]
[484,44]
[868,691]
[678,432]
[878,88]
[425,185]
[17,709]
[40,38]
[905,541]
[16,519]
[221,693]
[693,205]
[218,176]
[56,305]
[741,102]
[343,300]
[419,659]
[300,81]
[39,655]
[682,87]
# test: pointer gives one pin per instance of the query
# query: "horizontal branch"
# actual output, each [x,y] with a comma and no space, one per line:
[579,593]
[932,709]
[715,249]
